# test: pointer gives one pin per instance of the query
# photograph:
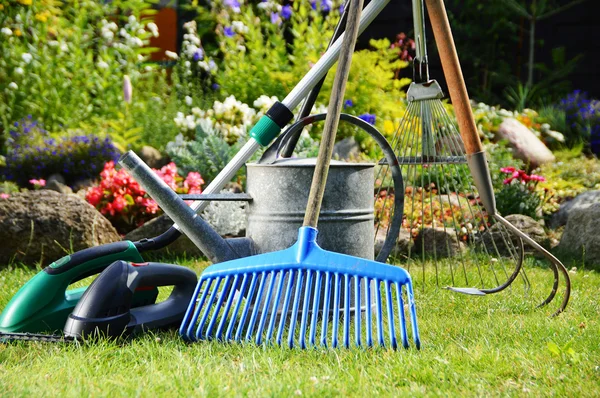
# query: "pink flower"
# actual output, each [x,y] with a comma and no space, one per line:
[535,177]
[119,203]
[193,182]
[508,170]
[38,183]
[4,195]
[127,89]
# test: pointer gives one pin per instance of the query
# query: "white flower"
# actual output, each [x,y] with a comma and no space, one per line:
[26,57]
[264,102]
[18,71]
[6,31]
[131,20]
[64,47]
[171,54]
[239,27]
[102,65]
[153,29]
[187,64]
[123,33]
[148,68]
[13,85]
[53,43]
[140,57]
[108,35]
[188,100]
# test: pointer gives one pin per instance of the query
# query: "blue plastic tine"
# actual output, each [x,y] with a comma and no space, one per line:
[379,314]
[187,325]
[346,311]
[232,291]
[357,311]
[275,306]
[249,296]
[199,306]
[390,311]
[237,307]
[336,311]
[217,309]
[413,314]
[261,288]
[307,295]
[400,301]
[286,304]
[265,310]
[315,309]
[208,308]
[368,312]
[295,310]
[326,308]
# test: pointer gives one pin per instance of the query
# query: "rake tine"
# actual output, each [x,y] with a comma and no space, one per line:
[346,311]
[275,305]
[186,328]
[295,311]
[227,307]
[313,323]
[390,310]
[251,290]
[357,309]
[237,307]
[400,301]
[198,309]
[379,314]
[413,314]
[305,310]
[263,316]
[286,303]
[336,311]
[261,288]
[207,309]
[215,315]
[326,309]
[368,312]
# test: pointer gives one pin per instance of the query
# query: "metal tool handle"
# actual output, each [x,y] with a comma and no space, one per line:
[334,109]
[454,76]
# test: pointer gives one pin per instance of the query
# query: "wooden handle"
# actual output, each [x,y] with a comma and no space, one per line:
[454,76]
[336,100]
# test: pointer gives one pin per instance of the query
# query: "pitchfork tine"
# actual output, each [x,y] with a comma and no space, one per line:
[357,309]
[261,288]
[326,309]
[215,315]
[336,311]
[390,309]
[400,301]
[275,305]
[227,307]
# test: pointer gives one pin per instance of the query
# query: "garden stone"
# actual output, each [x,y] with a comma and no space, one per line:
[83,184]
[438,242]
[526,146]
[404,243]
[152,157]
[56,177]
[526,224]
[346,149]
[581,237]
[581,201]
[42,226]
[56,186]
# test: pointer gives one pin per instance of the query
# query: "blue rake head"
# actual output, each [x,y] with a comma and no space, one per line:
[297,297]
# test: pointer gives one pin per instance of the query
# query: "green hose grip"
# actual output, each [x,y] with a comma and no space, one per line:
[265,130]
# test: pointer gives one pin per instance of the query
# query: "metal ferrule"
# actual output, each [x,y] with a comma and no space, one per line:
[481,177]
[424,91]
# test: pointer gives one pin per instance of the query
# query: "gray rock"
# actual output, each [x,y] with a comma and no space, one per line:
[42,226]
[152,157]
[438,243]
[56,177]
[346,149]
[496,236]
[56,186]
[404,243]
[581,237]
[526,146]
[83,184]
[581,201]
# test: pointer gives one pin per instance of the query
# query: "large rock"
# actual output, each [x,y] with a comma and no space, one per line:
[152,157]
[526,146]
[346,149]
[403,245]
[581,201]
[42,226]
[438,242]
[581,238]
[496,236]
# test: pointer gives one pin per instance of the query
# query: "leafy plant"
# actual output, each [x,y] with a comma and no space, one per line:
[519,194]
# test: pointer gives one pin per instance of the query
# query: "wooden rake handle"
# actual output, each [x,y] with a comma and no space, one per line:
[317,188]
[454,76]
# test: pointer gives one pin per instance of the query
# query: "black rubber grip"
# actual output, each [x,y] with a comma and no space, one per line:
[280,114]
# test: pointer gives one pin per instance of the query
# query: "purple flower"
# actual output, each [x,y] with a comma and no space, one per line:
[286,11]
[341,9]
[228,31]
[367,117]
[233,4]
[198,55]
[215,86]
[275,18]
[348,103]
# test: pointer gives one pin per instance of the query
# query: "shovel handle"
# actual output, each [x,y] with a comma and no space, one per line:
[454,76]
[317,188]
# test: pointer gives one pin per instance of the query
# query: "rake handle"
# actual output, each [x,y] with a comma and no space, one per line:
[317,188]
[454,76]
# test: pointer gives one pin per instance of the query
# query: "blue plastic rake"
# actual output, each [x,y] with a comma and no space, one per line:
[291,297]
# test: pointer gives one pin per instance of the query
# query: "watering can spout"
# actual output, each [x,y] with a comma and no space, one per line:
[199,231]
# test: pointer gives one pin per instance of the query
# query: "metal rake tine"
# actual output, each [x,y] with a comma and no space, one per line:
[207,309]
[295,311]
[275,305]
[187,325]
[315,310]
[237,307]
[326,309]
[265,310]
[232,291]
[336,311]
[261,288]
[286,304]
[217,310]
[390,310]
[238,334]
[305,309]
[400,303]
[357,310]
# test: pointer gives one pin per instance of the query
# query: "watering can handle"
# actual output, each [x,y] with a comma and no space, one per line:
[454,76]
[334,109]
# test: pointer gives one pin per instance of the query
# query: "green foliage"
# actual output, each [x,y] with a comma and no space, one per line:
[500,155]
[519,199]
[9,187]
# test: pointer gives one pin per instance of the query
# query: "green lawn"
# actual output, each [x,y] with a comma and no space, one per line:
[495,345]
